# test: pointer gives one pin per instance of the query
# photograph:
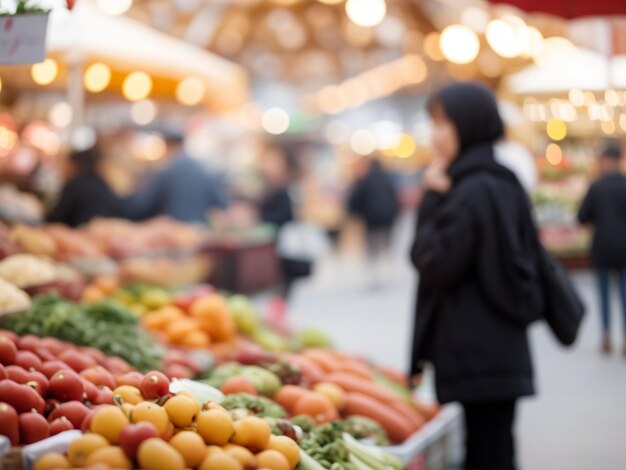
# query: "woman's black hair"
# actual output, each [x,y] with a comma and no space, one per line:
[86,161]
[612,149]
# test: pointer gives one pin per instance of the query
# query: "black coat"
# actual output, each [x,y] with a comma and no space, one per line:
[461,324]
[604,207]
[276,208]
[374,200]
[83,198]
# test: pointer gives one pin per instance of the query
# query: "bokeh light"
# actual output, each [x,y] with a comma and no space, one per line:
[431,47]
[114,7]
[275,121]
[608,127]
[366,13]
[576,97]
[554,154]
[459,44]
[362,142]
[556,129]
[143,112]
[406,147]
[97,77]
[190,91]
[61,114]
[137,86]
[45,72]
[508,36]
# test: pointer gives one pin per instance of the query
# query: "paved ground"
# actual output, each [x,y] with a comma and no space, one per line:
[578,420]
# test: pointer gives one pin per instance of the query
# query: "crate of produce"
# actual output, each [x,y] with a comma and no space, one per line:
[436,446]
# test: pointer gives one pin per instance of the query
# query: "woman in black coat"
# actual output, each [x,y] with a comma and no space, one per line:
[464,320]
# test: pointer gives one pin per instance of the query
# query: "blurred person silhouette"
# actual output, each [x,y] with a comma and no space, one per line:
[374,201]
[279,171]
[86,194]
[184,190]
[604,208]
[469,323]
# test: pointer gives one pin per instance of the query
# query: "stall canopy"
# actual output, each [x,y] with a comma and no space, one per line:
[570,8]
[124,44]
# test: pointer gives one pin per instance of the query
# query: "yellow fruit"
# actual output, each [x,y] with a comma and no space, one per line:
[177,330]
[156,454]
[220,461]
[129,394]
[210,450]
[79,450]
[127,408]
[243,455]
[112,456]
[182,410]
[93,294]
[215,427]
[196,339]
[51,461]
[109,422]
[273,459]
[334,393]
[214,315]
[252,433]
[191,446]
[152,413]
[286,446]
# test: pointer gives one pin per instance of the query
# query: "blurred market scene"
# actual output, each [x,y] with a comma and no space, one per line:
[208,210]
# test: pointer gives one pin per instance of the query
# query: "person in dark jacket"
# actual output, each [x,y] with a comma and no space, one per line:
[184,190]
[373,200]
[86,194]
[604,207]
[463,322]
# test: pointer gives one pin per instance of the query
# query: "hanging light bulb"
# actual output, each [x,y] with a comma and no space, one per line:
[366,13]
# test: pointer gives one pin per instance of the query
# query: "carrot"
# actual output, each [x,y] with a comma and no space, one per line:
[396,376]
[398,427]
[356,368]
[311,372]
[350,383]
[428,410]
[416,418]
[324,360]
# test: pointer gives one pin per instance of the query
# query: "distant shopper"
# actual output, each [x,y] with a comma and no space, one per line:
[373,199]
[604,208]
[183,190]
[86,194]
[467,321]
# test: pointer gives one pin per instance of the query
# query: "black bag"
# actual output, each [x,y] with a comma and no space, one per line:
[563,309]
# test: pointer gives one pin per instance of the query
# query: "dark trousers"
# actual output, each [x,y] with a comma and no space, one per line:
[489,436]
[604,281]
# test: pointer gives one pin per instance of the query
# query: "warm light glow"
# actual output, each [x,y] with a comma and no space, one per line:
[45,72]
[556,129]
[406,148]
[489,64]
[576,97]
[554,155]
[275,121]
[366,13]
[97,77]
[0,85]
[590,98]
[337,132]
[143,112]
[190,91]
[332,99]
[567,112]
[387,134]
[459,44]
[331,2]
[508,36]
[355,91]
[535,42]
[622,122]
[431,47]
[608,127]
[362,143]
[114,7]
[611,97]
[415,69]
[8,140]
[475,18]
[61,114]
[137,86]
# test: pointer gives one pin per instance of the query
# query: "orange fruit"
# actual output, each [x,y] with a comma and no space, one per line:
[129,394]
[243,455]
[191,446]
[182,410]
[111,456]
[51,461]
[316,406]
[214,316]
[288,396]
[286,446]
[333,392]
[156,454]
[238,384]
[79,450]
[152,413]
[109,422]
[215,426]
[196,339]
[93,294]
[178,329]
[127,408]
[210,450]
[220,461]
[273,459]
[252,432]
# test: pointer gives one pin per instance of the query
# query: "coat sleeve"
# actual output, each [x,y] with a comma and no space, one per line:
[64,209]
[586,213]
[444,242]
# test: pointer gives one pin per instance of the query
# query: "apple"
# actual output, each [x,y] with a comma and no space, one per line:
[133,435]
[74,411]
[33,428]
[60,425]
[66,385]
[99,376]
[154,385]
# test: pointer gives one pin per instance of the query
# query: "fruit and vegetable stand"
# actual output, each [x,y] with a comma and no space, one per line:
[138,375]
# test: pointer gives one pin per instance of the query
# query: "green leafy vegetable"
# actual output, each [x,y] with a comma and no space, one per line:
[260,406]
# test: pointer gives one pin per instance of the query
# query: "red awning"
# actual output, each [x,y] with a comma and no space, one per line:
[570,8]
